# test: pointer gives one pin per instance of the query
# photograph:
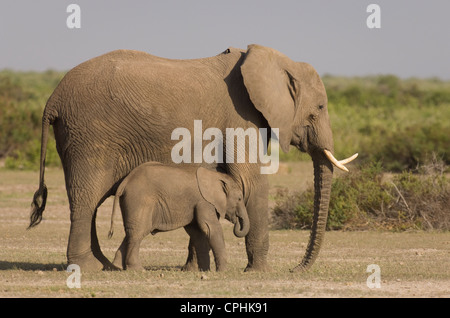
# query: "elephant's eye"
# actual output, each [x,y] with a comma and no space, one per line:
[321,106]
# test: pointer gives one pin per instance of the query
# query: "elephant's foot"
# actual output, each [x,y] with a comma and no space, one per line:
[118,263]
[87,262]
[221,268]
[258,267]
[257,250]
[107,265]
[257,262]
[189,267]
[119,260]
[197,262]
[265,268]
[134,267]
[114,268]
[194,265]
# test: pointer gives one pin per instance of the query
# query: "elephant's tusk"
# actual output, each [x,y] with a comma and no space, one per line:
[349,159]
[340,164]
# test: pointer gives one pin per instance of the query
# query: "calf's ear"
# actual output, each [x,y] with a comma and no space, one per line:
[213,188]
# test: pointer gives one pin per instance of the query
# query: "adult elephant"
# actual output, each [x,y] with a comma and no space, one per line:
[118,110]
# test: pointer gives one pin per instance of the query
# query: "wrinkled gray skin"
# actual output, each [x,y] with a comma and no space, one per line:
[157,198]
[117,111]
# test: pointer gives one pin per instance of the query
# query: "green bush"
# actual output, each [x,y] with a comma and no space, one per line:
[367,199]
[409,147]
[423,199]
[28,157]
[352,198]
[22,99]
[386,91]
[396,122]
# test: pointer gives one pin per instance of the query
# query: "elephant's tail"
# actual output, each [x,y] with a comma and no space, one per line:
[40,196]
[116,206]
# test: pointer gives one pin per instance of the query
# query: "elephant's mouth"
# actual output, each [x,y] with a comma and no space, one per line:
[306,141]
[302,147]
[300,139]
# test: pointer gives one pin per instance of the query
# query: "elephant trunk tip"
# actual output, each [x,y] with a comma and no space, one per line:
[301,268]
[242,224]
[240,231]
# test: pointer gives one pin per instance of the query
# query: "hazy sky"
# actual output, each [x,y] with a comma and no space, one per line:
[414,38]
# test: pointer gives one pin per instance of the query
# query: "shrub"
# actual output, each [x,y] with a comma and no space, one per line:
[368,199]
[386,91]
[408,147]
[351,198]
[424,197]
[22,99]
[397,122]
[28,157]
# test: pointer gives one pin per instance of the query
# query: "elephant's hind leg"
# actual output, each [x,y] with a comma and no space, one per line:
[132,261]
[119,257]
[80,249]
[83,248]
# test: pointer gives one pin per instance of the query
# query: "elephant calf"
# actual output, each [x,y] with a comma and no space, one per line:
[155,197]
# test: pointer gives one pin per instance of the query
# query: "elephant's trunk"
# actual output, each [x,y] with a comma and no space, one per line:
[323,174]
[242,225]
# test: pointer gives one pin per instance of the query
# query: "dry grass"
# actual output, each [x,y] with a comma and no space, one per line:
[32,262]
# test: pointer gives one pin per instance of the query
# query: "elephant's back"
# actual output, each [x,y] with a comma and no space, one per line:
[112,58]
[166,179]
[167,176]
[94,74]
[129,80]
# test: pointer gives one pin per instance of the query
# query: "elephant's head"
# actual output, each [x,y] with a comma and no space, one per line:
[291,97]
[222,192]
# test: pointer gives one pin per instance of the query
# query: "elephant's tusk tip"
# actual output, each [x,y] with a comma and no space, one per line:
[349,159]
[343,168]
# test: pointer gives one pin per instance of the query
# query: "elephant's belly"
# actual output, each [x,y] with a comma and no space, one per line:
[171,220]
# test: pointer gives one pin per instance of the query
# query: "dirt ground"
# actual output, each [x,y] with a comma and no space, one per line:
[33,262]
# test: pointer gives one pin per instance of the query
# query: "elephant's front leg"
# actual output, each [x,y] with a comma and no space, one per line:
[257,239]
[198,255]
[217,243]
[209,224]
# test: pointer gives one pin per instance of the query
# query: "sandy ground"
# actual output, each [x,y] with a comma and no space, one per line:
[33,262]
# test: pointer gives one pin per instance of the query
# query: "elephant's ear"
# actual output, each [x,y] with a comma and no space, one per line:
[213,187]
[271,88]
